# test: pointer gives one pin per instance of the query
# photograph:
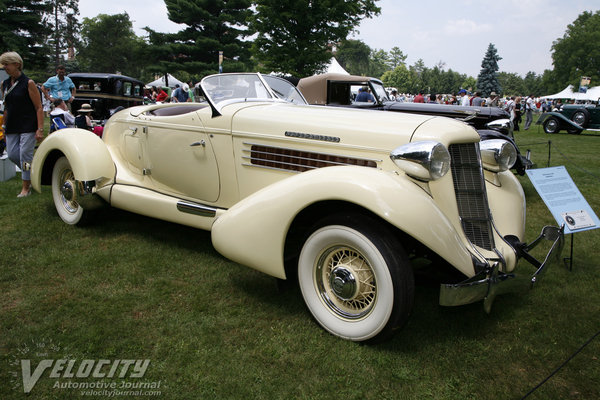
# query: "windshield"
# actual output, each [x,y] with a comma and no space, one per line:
[284,89]
[380,91]
[243,87]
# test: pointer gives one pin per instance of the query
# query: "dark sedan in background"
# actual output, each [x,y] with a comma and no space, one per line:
[340,90]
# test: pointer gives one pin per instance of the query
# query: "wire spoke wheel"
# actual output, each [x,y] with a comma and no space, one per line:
[355,278]
[346,282]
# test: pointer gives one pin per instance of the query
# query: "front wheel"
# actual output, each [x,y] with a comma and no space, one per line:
[551,125]
[356,278]
[64,192]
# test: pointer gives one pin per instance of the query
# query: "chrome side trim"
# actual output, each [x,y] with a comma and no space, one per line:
[196,209]
[375,160]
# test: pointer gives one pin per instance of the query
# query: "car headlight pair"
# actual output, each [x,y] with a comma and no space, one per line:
[429,160]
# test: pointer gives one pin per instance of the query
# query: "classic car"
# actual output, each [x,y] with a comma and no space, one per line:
[338,200]
[340,90]
[573,118]
[106,93]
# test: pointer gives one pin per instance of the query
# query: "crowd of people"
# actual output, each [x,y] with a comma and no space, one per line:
[181,94]
[518,107]
[24,106]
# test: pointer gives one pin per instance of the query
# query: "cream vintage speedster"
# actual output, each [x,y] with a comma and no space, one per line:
[340,200]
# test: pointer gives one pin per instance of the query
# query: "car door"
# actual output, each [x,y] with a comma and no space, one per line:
[179,158]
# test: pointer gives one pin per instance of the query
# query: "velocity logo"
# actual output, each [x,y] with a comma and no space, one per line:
[101,377]
[68,369]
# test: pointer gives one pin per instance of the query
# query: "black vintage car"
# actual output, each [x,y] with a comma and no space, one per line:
[340,90]
[106,92]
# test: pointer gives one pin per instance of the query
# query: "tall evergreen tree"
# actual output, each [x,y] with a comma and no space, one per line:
[212,26]
[487,80]
[22,29]
[294,36]
[65,27]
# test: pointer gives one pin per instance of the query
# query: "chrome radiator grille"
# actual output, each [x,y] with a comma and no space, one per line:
[469,187]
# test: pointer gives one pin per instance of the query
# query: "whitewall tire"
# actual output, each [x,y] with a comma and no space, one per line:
[356,279]
[63,187]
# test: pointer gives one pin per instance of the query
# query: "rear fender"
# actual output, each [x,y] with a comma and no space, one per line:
[253,232]
[87,153]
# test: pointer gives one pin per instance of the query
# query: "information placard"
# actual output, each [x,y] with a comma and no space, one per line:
[563,199]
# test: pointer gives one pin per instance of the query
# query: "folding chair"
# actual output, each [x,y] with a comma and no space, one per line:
[57,123]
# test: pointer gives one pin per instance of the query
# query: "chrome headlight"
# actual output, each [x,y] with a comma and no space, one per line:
[503,125]
[426,160]
[497,155]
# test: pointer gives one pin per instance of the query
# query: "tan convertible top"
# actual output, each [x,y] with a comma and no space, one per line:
[314,88]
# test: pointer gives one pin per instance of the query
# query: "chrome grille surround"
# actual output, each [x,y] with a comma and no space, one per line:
[471,196]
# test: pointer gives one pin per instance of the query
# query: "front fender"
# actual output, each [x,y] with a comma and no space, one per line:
[253,232]
[563,119]
[87,153]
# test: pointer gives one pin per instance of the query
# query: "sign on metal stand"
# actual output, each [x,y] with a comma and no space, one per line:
[564,200]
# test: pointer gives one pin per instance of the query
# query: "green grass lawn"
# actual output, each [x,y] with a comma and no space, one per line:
[131,287]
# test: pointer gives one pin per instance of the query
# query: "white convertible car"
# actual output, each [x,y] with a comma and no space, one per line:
[343,201]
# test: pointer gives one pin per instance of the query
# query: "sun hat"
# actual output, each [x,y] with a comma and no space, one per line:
[85,107]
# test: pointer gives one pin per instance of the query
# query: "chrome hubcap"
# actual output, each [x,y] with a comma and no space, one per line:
[346,282]
[68,192]
[343,283]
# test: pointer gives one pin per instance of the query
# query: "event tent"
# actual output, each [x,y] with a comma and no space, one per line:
[161,82]
[592,94]
[334,67]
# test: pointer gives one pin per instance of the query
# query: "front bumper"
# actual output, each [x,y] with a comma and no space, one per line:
[491,282]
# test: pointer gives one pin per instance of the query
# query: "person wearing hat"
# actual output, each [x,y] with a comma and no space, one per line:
[464,99]
[82,120]
[493,100]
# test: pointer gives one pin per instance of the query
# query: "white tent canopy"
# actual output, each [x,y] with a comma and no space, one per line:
[161,82]
[335,67]
[568,93]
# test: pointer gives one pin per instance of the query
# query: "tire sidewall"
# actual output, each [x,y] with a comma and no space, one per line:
[368,326]
[61,165]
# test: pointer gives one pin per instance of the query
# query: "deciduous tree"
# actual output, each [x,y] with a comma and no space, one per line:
[577,53]
[294,36]
[110,45]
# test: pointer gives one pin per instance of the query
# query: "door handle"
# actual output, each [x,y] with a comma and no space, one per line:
[200,143]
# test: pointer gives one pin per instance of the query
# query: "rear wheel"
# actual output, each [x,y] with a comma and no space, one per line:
[581,118]
[356,278]
[551,125]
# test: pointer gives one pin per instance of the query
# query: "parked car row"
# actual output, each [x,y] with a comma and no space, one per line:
[345,202]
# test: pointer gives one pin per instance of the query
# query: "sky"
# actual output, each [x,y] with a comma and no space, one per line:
[456,33]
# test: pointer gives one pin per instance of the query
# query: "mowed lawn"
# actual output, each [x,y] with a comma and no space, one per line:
[128,287]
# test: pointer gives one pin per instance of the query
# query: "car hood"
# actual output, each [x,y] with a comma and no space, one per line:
[365,128]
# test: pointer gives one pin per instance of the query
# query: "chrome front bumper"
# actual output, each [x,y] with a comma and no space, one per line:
[491,282]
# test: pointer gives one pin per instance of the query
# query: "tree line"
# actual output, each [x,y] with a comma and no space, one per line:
[288,36]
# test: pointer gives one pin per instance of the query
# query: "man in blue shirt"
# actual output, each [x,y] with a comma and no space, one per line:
[59,86]
[364,95]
